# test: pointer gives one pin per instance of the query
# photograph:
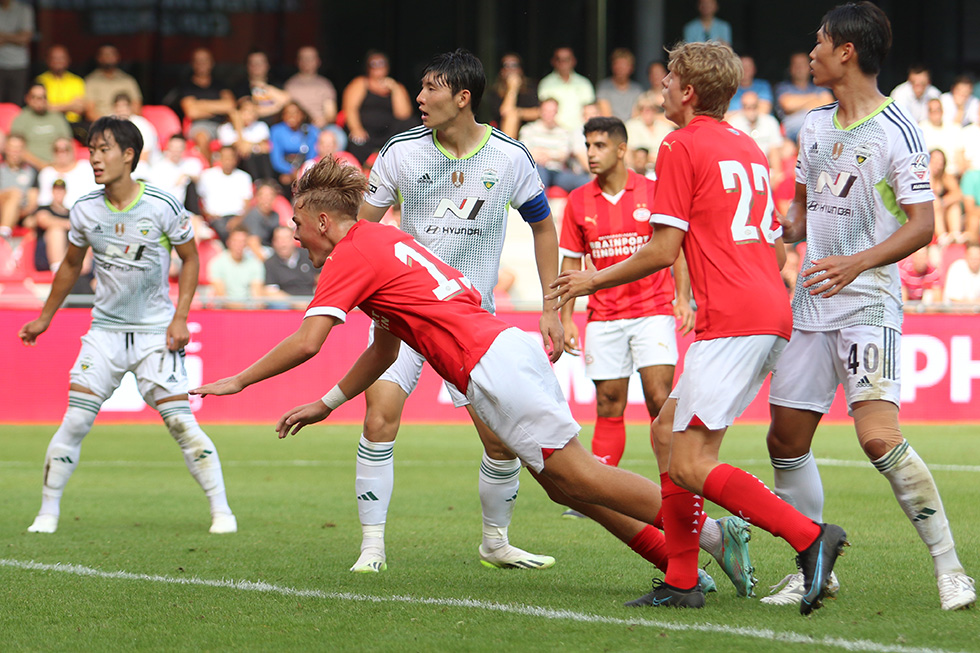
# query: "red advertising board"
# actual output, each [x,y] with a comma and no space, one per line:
[940,371]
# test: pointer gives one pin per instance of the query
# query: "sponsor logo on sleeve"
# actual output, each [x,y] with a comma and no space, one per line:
[920,186]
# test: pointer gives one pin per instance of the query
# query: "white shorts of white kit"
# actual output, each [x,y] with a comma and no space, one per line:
[866,360]
[614,349]
[407,369]
[514,391]
[721,378]
[106,356]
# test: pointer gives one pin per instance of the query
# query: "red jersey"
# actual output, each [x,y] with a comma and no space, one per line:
[610,233]
[409,291]
[713,182]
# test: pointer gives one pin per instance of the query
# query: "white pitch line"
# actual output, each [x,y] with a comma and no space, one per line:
[824,462]
[786,637]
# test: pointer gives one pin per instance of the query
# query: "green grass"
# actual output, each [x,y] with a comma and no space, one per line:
[298,530]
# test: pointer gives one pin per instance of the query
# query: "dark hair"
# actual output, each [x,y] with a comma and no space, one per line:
[866,26]
[609,124]
[459,70]
[125,133]
[918,69]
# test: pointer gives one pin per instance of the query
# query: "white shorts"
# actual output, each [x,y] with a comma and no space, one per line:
[615,349]
[866,360]
[407,369]
[721,378]
[514,391]
[107,355]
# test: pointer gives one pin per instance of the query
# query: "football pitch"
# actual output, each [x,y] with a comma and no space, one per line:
[132,566]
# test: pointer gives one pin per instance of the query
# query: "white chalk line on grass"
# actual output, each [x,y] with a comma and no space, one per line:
[824,462]
[787,637]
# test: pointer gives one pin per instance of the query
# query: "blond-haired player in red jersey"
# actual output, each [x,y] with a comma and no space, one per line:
[631,327]
[416,299]
[713,199]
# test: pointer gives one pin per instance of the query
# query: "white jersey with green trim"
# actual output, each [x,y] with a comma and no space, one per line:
[131,248]
[456,207]
[856,179]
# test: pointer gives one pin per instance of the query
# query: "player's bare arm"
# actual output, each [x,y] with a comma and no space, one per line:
[294,350]
[546,258]
[661,251]
[64,280]
[573,345]
[682,295]
[794,222]
[829,275]
[177,333]
[370,365]
[371,213]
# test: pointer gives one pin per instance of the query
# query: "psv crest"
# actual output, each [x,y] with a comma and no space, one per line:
[457,178]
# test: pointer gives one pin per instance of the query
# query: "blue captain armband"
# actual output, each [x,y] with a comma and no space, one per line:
[536,209]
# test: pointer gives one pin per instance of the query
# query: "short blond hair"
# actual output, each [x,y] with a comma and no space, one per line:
[713,69]
[337,188]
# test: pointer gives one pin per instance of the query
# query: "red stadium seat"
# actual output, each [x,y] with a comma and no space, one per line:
[164,120]
[8,111]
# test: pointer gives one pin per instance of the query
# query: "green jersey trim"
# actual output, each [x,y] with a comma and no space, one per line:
[483,141]
[890,201]
[863,120]
[131,204]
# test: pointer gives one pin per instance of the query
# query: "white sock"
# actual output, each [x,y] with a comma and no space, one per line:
[710,537]
[65,448]
[797,482]
[918,496]
[374,482]
[499,483]
[200,454]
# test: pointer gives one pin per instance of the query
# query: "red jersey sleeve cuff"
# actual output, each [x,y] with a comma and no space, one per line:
[326,310]
[670,221]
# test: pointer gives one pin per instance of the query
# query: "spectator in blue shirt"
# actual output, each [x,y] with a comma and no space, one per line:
[293,141]
[706,27]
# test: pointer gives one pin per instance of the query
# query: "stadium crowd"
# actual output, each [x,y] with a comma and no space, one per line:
[230,148]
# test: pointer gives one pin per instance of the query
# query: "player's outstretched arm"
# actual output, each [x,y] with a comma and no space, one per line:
[294,350]
[660,252]
[371,364]
[829,275]
[64,280]
[546,258]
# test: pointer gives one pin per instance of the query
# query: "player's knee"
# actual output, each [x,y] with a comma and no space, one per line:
[877,442]
[609,402]
[660,435]
[497,450]
[380,427]
[876,424]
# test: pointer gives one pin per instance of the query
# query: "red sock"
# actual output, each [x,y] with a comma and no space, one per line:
[746,496]
[609,440]
[650,544]
[683,515]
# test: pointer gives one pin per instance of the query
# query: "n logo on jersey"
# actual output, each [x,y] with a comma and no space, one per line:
[839,185]
[467,209]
